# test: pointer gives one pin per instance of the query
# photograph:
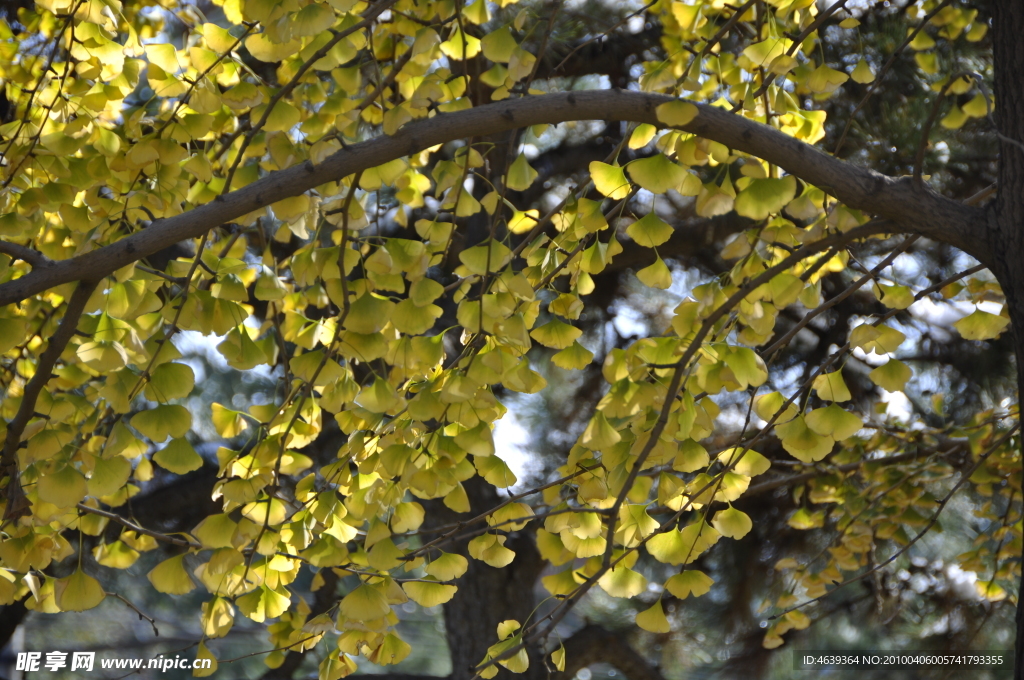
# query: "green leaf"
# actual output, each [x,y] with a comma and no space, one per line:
[520,174]
[732,523]
[650,231]
[747,366]
[63,487]
[162,422]
[170,381]
[763,197]
[657,174]
[178,457]
[803,443]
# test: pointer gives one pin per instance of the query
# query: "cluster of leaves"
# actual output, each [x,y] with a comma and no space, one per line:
[337,290]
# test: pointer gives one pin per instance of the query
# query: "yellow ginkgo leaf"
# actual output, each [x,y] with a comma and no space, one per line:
[979,325]
[891,376]
[657,174]
[825,80]
[689,582]
[447,567]
[365,603]
[178,457]
[650,231]
[428,594]
[610,180]
[677,113]
[77,592]
[862,73]
[622,582]
[520,174]
[732,523]
[205,663]
[165,421]
[653,619]
[656,275]
[170,577]
[832,387]
[834,421]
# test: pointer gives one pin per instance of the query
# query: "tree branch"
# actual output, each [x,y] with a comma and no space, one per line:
[912,209]
[17,504]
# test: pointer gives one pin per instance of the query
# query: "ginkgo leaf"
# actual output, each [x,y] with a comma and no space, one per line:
[556,334]
[498,46]
[520,174]
[732,523]
[834,421]
[392,650]
[657,173]
[825,80]
[599,433]
[803,443]
[574,357]
[653,619]
[170,577]
[749,368]
[610,180]
[178,457]
[862,73]
[207,662]
[170,381]
[64,487]
[979,325]
[762,197]
[227,422]
[116,555]
[656,275]
[12,333]
[218,618]
[832,387]
[491,550]
[622,582]
[677,113]
[162,422]
[109,475]
[428,594]
[77,592]
[892,376]
[447,567]
[689,582]
[365,603]
[650,231]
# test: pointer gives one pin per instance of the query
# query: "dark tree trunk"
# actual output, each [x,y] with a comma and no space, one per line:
[1006,216]
[486,596]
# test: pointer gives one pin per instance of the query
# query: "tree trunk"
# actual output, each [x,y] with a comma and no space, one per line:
[1006,216]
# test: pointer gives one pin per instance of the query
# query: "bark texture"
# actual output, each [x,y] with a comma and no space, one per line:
[1005,223]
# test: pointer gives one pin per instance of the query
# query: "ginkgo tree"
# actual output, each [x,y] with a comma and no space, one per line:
[344,194]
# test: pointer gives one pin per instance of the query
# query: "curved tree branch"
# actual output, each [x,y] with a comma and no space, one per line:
[912,209]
